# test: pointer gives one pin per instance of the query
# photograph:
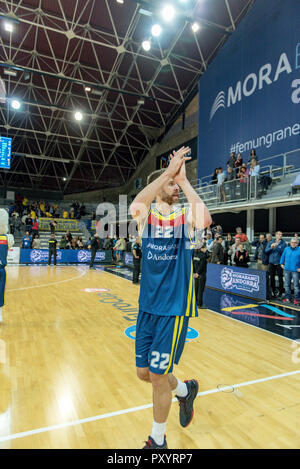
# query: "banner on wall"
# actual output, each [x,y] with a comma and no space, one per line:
[65,256]
[249,97]
[246,282]
[62,224]
[13,256]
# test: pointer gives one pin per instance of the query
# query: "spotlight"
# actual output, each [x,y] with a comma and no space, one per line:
[146,45]
[141,101]
[195,27]
[8,27]
[120,1]
[168,13]
[78,116]
[156,30]
[88,89]
[64,179]
[15,104]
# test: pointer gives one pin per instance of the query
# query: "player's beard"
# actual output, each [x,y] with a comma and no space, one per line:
[169,199]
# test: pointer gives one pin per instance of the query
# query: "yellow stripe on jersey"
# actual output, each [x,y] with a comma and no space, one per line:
[171,216]
[3,238]
[173,343]
[179,334]
[187,312]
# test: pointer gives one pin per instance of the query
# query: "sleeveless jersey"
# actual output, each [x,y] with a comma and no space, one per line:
[3,251]
[167,283]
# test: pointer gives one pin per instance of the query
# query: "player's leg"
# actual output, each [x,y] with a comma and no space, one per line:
[2,289]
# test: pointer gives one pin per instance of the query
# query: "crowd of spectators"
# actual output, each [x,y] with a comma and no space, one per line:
[242,174]
[274,255]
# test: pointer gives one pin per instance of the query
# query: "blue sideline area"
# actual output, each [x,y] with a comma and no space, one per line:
[64,256]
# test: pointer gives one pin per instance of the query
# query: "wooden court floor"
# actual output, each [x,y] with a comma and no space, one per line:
[67,371]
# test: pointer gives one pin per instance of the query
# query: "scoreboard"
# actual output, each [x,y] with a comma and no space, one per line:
[5,152]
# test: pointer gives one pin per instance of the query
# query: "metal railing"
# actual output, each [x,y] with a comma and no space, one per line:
[277,165]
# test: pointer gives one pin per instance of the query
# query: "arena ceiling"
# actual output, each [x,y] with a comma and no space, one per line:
[60,48]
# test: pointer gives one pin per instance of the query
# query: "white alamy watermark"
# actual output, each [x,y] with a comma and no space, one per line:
[296,353]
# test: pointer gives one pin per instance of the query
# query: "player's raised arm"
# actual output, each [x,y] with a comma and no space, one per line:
[199,216]
[141,204]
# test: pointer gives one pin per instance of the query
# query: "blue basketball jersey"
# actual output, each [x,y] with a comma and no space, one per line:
[3,250]
[167,283]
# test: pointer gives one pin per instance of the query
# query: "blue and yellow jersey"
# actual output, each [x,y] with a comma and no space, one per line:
[3,250]
[167,285]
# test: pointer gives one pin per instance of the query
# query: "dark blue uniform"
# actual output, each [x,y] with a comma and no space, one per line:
[167,296]
[3,263]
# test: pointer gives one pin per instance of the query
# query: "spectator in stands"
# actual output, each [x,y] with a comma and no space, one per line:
[42,209]
[275,250]
[231,161]
[53,226]
[230,182]
[25,202]
[253,156]
[16,226]
[239,234]
[243,176]
[260,256]
[48,214]
[209,241]
[120,249]
[221,177]
[93,215]
[80,243]
[28,223]
[107,243]
[217,255]
[65,214]
[94,246]
[254,175]
[63,242]
[241,257]
[82,211]
[290,262]
[69,236]
[27,240]
[35,228]
[229,242]
[200,268]
[36,243]
[216,231]
[56,210]
[238,163]
[214,181]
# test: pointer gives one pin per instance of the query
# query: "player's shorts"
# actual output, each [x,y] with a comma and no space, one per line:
[2,285]
[159,341]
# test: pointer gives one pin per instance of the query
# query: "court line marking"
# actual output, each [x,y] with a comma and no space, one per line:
[136,409]
[248,324]
[225,316]
[50,284]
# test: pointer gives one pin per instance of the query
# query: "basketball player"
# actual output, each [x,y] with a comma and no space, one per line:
[167,296]
[6,242]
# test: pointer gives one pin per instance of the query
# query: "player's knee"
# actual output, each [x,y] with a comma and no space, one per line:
[158,380]
[143,374]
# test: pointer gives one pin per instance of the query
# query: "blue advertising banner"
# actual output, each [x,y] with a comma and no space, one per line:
[63,256]
[246,282]
[250,95]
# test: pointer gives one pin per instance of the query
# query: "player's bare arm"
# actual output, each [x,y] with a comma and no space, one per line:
[140,206]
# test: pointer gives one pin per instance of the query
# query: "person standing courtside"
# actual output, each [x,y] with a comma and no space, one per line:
[200,268]
[52,249]
[137,256]
[167,294]
[94,246]
[275,250]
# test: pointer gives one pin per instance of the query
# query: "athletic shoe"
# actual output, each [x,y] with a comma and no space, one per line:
[151,444]
[186,410]
[296,302]
[286,300]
